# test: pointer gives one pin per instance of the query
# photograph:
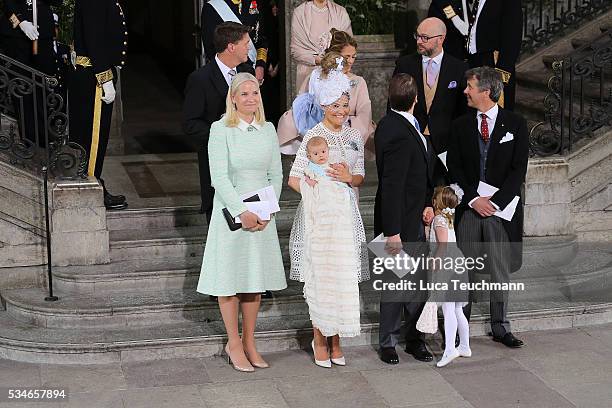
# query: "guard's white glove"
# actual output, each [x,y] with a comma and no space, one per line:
[461,25]
[29,30]
[109,92]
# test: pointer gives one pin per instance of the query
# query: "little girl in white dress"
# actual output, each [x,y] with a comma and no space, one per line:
[445,199]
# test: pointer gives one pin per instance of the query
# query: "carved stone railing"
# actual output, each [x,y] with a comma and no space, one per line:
[34,132]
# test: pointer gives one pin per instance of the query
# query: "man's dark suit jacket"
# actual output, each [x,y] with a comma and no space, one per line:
[404,179]
[506,167]
[205,95]
[449,102]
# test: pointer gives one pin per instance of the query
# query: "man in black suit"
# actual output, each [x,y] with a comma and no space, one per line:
[490,146]
[205,95]
[440,80]
[494,40]
[403,204]
[247,12]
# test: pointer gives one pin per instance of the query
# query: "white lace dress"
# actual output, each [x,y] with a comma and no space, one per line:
[445,275]
[330,257]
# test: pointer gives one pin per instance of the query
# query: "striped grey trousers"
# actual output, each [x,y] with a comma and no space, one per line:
[478,236]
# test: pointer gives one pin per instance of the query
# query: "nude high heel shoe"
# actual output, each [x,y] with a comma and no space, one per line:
[321,363]
[257,364]
[249,369]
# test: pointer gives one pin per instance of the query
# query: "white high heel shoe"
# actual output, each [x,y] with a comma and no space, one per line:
[321,363]
[341,361]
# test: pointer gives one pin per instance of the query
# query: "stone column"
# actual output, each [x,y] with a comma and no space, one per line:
[78,223]
[547,198]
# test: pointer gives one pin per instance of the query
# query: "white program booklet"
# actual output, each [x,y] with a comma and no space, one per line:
[377,245]
[267,205]
[487,190]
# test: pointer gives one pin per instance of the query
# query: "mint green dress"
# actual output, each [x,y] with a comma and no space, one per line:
[241,261]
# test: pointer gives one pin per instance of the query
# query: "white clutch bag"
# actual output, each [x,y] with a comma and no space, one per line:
[428,321]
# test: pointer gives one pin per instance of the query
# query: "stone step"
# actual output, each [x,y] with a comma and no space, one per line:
[553,269]
[182,242]
[155,218]
[126,275]
[593,226]
[27,343]
[188,242]
[598,199]
[590,166]
[144,309]
[540,79]
[530,102]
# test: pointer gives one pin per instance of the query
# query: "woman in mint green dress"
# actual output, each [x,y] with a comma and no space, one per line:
[239,265]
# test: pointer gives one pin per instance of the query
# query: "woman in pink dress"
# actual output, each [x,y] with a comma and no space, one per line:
[360,109]
[310,25]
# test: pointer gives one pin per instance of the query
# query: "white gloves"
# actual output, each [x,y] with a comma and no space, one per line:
[109,92]
[29,30]
[461,25]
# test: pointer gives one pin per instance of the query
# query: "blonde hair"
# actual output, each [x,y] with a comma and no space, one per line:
[445,197]
[328,62]
[316,141]
[231,114]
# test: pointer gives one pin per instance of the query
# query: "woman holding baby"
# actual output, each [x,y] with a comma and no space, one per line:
[327,242]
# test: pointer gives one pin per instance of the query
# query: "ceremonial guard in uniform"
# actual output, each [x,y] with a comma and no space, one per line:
[30,43]
[454,13]
[100,43]
[246,12]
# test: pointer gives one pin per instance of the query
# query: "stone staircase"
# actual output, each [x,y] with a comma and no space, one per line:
[589,164]
[590,174]
[143,304]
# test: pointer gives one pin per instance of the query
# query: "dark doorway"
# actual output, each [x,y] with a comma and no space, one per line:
[162,53]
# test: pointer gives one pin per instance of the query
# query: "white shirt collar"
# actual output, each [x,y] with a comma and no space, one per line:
[408,116]
[437,59]
[224,68]
[491,113]
[244,126]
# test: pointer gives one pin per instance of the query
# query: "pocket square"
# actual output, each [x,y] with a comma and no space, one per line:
[509,136]
[452,84]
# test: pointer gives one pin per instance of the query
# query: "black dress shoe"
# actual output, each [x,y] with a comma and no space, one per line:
[509,340]
[389,355]
[419,351]
[115,199]
[114,203]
